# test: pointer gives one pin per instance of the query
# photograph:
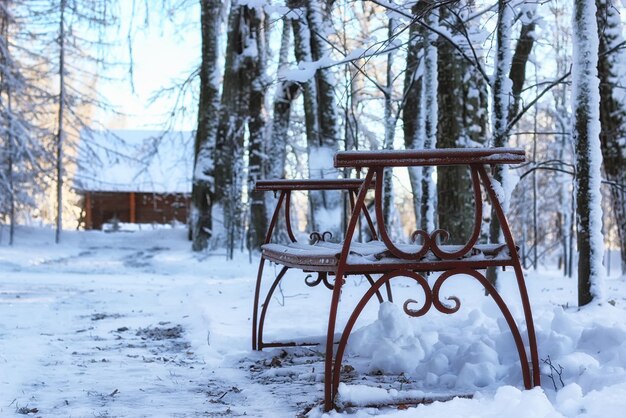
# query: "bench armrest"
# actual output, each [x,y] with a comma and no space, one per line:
[308,184]
[430,157]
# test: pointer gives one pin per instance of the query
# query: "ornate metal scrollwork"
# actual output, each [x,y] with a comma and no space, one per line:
[429,240]
[317,237]
[437,303]
[421,233]
[322,277]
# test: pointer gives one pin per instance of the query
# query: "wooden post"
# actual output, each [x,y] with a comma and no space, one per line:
[88,217]
[133,211]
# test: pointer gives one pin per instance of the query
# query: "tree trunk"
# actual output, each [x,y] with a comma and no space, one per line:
[203,188]
[327,211]
[501,104]
[390,127]
[456,89]
[60,119]
[10,169]
[506,98]
[430,111]
[257,152]
[6,84]
[612,114]
[517,74]
[586,136]
[411,112]
[234,116]
[303,54]
[286,92]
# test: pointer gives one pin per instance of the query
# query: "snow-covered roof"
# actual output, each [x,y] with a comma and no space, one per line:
[135,161]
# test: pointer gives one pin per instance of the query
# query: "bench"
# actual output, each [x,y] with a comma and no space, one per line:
[386,259]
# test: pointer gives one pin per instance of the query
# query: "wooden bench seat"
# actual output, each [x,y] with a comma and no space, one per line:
[374,256]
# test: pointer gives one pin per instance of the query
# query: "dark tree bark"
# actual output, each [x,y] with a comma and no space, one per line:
[517,74]
[302,49]
[586,135]
[612,114]
[241,59]
[60,134]
[203,194]
[454,193]
[257,155]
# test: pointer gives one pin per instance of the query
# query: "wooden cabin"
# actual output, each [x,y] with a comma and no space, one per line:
[137,177]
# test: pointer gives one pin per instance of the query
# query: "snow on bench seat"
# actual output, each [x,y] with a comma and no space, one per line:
[324,256]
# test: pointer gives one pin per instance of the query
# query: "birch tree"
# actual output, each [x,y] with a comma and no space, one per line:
[586,136]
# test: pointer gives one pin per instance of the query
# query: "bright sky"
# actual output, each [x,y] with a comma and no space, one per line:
[162,52]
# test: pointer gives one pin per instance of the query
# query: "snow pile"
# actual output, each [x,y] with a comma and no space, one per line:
[464,354]
[583,356]
[593,356]
[507,401]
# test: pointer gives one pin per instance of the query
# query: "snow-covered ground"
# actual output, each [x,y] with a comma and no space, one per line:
[135,324]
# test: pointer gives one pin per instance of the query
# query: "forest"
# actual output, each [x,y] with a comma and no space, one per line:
[417,298]
[280,87]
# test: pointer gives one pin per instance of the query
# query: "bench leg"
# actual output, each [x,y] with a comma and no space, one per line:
[378,295]
[266,304]
[258,321]
[255,308]
[329,390]
[530,325]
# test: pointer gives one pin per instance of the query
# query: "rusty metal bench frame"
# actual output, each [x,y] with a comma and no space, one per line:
[284,188]
[409,264]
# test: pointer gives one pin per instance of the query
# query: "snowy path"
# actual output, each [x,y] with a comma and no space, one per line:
[78,341]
